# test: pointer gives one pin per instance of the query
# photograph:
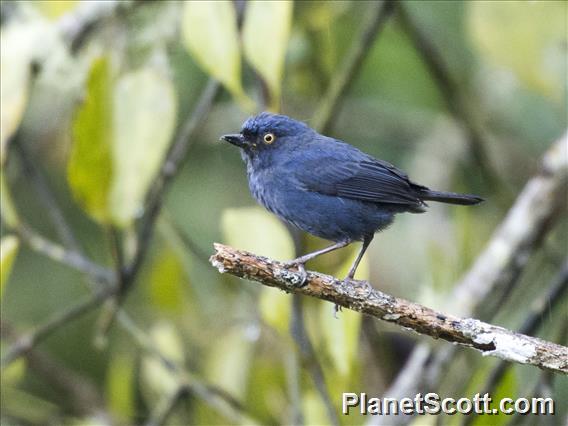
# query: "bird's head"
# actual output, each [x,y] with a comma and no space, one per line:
[266,133]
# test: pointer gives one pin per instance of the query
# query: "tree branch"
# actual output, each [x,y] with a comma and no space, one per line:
[541,308]
[491,340]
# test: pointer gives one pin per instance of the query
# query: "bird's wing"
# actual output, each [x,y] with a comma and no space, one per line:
[360,177]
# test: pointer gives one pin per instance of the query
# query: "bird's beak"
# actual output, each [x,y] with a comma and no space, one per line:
[236,139]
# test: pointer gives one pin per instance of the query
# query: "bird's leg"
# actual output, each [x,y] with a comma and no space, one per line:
[366,241]
[300,261]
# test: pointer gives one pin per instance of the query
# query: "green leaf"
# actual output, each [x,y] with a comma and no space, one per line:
[265,38]
[144,113]
[120,385]
[256,230]
[9,246]
[210,34]
[90,170]
[526,37]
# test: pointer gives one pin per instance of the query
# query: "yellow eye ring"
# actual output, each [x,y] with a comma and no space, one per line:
[269,138]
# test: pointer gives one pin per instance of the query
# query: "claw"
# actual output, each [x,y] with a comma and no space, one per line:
[336,309]
[301,272]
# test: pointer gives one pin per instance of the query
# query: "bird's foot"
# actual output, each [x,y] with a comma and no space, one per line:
[368,286]
[301,271]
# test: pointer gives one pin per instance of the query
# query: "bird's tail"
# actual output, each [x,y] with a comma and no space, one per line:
[450,197]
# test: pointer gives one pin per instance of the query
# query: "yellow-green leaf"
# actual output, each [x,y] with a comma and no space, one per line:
[120,383]
[144,112]
[8,250]
[274,306]
[265,38]
[256,230]
[341,339]
[528,37]
[314,409]
[9,212]
[210,34]
[90,170]
[167,279]
[18,41]
[54,9]
[158,379]
[229,362]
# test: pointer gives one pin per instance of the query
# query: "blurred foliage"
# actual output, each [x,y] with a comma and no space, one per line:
[98,123]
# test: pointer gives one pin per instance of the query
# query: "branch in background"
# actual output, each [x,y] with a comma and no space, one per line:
[76,26]
[520,234]
[58,320]
[73,259]
[211,395]
[344,77]
[308,356]
[166,406]
[451,93]
[78,390]
[168,170]
[499,266]
[360,296]
[37,178]
[154,201]
[218,400]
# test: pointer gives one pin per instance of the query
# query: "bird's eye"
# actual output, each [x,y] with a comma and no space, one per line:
[269,138]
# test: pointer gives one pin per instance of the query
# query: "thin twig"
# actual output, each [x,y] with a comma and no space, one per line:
[71,258]
[58,320]
[79,391]
[166,406]
[216,398]
[349,69]
[38,180]
[357,295]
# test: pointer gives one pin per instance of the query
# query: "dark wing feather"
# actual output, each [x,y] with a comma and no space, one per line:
[364,179]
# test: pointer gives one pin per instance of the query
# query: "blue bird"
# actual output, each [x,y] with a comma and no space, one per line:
[326,187]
